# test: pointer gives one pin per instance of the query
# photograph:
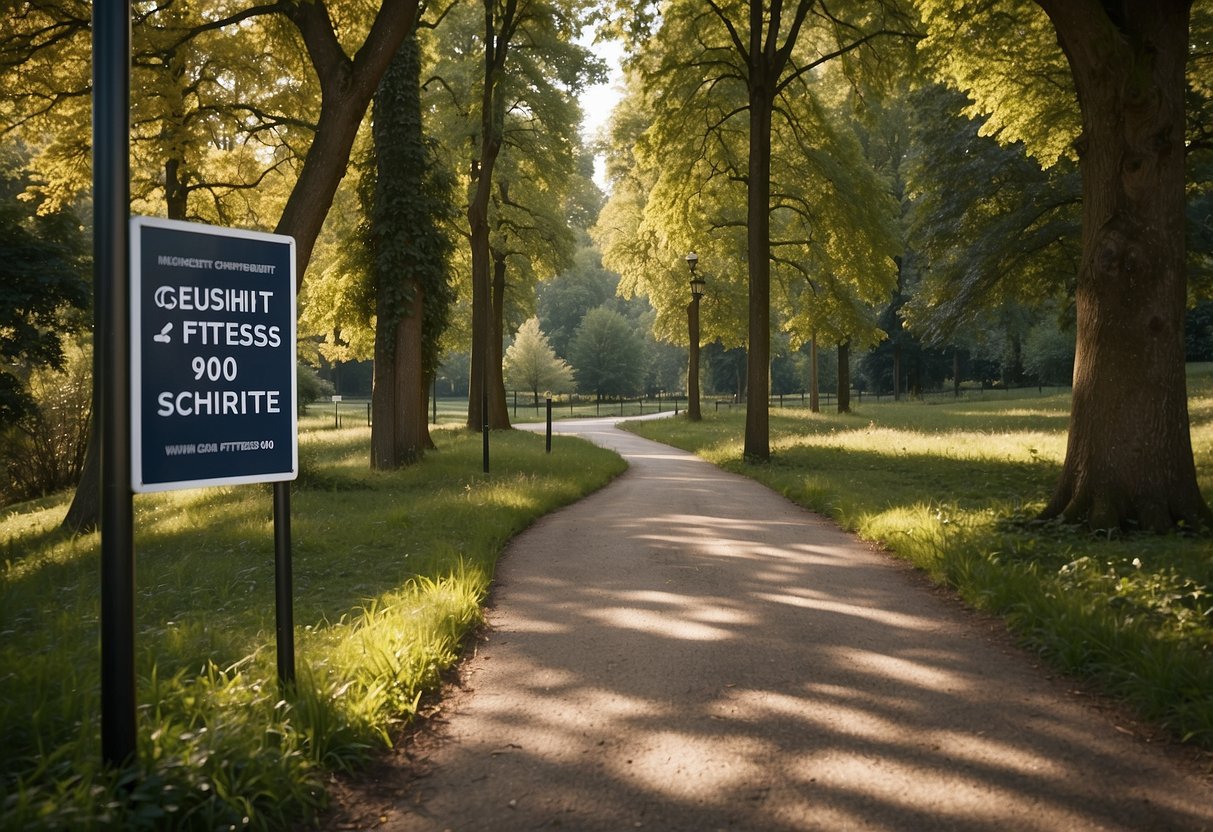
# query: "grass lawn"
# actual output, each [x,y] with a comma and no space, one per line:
[954,486]
[390,571]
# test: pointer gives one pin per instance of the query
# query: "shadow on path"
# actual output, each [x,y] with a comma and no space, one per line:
[686,650]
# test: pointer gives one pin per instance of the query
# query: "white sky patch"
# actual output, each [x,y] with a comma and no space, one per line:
[599,100]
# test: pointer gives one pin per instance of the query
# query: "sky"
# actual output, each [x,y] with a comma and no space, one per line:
[599,100]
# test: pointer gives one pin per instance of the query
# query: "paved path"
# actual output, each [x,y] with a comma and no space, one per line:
[686,650]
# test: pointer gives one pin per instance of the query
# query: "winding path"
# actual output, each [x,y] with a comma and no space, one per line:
[686,650]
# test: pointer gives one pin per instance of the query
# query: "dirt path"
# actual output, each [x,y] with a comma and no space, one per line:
[686,650]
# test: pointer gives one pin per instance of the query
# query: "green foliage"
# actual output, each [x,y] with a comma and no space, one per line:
[310,387]
[1048,353]
[953,487]
[607,356]
[682,161]
[531,364]
[219,745]
[565,299]
[44,275]
[1004,55]
[993,229]
[42,451]
[212,137]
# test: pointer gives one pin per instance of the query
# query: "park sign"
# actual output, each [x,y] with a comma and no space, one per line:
[213,397]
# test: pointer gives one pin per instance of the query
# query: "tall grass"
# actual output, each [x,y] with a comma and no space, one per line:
[954,487]
[390,570]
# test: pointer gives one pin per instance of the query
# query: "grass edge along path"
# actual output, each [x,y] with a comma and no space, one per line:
[953,488]
[390,570]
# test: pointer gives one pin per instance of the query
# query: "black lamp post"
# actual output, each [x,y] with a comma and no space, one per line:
[697,284]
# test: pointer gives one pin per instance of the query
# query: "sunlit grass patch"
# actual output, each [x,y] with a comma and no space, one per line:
[390,569]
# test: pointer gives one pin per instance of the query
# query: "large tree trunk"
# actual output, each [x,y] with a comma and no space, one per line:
[479,225]
[396,428]
[758,356]
[1129,459]
[481,385]
[400,160]
[410,382]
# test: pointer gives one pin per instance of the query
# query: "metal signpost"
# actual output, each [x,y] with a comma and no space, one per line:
[195,381]
[111,206]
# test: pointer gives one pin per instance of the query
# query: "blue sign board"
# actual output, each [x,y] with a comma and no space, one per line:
[213,399]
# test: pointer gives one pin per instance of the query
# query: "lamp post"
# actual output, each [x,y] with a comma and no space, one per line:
[697,284]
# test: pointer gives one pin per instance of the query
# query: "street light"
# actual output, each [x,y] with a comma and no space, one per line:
[697,284]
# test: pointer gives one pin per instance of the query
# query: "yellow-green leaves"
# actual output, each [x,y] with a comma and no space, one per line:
[1004,55]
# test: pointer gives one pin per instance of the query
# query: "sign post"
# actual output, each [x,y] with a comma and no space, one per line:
[213,392]
[111,207]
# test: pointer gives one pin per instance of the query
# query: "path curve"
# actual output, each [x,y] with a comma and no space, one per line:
[686,650]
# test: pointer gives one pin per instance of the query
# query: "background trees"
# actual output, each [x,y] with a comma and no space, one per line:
[721,112]
[45,292]
[531,364]
[607,355]
[829,205]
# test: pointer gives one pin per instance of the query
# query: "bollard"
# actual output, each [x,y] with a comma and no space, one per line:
[549,444]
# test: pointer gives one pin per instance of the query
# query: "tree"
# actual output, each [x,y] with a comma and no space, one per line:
[565,299]
[531,364]
[1129,457]
[530,72]
[991,226]
[408,263]
[48,46]
[607,355]
[742,95]
[45,291]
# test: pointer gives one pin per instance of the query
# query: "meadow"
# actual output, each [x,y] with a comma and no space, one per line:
[392,568]
[955,486]
[390,573]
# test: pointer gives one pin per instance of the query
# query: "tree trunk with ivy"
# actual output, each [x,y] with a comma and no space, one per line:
[400,224]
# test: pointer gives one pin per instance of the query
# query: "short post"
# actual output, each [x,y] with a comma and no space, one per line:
[549,442]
